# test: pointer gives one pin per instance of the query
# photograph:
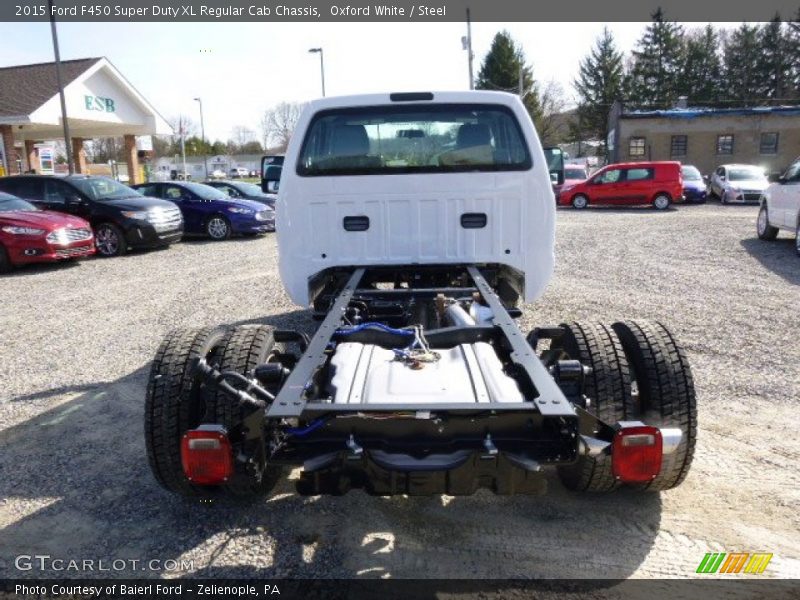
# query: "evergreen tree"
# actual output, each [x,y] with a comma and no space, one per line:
[657,64]
[741,61]
[501,69]
[599,84]
[774,71]
[702,67]
[793,56]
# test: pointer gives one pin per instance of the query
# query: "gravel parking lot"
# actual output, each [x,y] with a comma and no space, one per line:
[75,346]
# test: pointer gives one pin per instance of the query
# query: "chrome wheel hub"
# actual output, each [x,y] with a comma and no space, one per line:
[217,228]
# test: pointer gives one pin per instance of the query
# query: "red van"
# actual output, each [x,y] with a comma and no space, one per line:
[627,184]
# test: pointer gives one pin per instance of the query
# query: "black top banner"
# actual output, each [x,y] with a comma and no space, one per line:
[398,10]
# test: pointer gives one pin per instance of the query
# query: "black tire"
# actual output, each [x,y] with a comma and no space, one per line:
[666,396]
[110,240]
[608,389]
[662,201]
[580,201]
[176,402]
[764,230]
[247,347]
[218,228]
[5,262]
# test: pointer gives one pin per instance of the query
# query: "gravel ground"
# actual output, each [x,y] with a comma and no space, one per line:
[76,341]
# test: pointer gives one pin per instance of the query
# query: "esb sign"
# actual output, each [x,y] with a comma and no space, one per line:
[99,103]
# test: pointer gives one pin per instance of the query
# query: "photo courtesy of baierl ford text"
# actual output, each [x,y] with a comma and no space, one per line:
[422,300]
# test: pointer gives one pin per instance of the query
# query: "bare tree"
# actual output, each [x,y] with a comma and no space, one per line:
[242,135]
[101,150]
[278,124]
[554,124]
[183,125]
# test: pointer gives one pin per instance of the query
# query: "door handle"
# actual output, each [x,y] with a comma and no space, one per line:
[356,223]
[474,220]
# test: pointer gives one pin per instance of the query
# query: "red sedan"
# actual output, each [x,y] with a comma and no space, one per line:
[30,235]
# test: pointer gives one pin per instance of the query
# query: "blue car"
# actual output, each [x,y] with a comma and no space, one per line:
[210,211]
[694,186]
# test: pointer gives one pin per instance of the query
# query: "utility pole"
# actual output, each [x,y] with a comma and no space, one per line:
[182,129]
[203,136]
[67,139]
[470,55]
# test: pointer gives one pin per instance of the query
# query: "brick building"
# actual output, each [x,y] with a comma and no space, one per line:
[763,136]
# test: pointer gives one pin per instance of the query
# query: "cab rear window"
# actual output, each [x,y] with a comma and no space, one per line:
[395,139]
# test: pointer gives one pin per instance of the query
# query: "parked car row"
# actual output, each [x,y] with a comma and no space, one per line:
[45,218]
[660,183]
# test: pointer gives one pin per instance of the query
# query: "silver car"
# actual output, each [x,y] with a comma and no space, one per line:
[738,183]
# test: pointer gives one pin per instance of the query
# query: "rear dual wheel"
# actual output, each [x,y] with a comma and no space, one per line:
[178,401]
[638,373]
[247,347]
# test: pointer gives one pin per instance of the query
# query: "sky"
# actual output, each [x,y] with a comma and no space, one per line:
[242,69]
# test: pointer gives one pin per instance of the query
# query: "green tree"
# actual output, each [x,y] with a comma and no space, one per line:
[501,70]
[741,62]
[599,84]
[655,75]
[218,147]
[793,51]
[774,68]
[701,71]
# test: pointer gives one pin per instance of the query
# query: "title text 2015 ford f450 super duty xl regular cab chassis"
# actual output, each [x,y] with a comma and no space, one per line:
[414,224]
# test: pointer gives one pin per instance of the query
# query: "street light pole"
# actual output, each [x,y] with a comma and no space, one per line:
[321,66]
[203,137]
[67,140]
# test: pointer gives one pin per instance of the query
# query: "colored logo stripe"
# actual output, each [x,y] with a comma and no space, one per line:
[757,563]
[711,562]
[734,563]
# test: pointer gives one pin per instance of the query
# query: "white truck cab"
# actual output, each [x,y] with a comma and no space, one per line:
[403,179]
[780,206]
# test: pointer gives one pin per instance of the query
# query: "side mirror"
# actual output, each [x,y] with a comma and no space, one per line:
[775,178]
[706,178]
[270,178]
[722,177]
[73,199]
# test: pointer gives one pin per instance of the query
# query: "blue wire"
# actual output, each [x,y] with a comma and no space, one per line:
[371,324]
[301,431]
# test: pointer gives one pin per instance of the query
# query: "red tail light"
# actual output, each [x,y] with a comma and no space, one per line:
[636,454]
[206,455]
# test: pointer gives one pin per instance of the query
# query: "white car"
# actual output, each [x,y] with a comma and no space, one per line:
[218,174]
[780,206]
[738,183]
